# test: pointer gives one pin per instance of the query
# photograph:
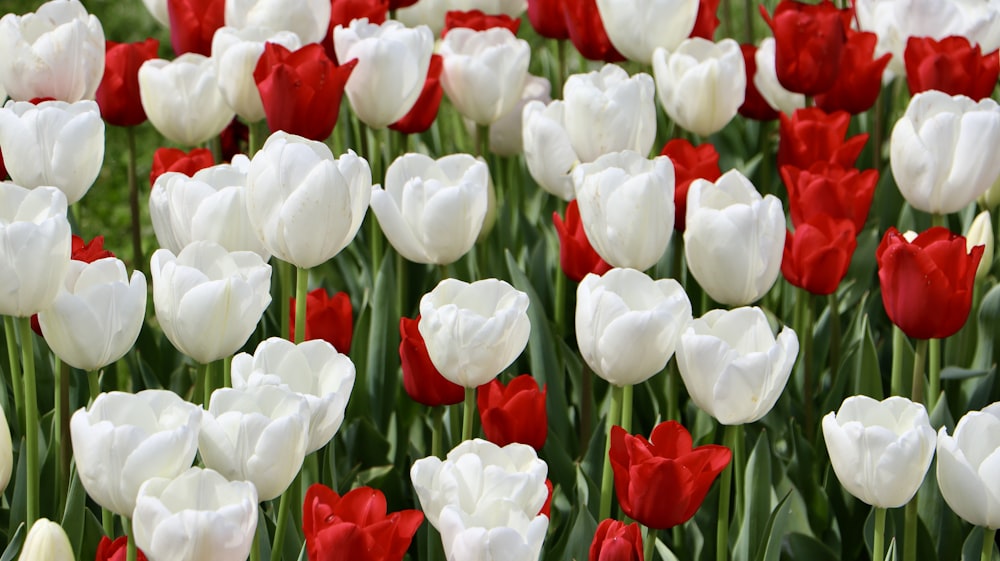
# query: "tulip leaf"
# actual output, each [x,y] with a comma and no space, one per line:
[19,498]
[757,499]
[956,373]
[868,376]
[981,395]
[802,546]
[988,316]
[775,532]
[73,515]
[382,379]
[14,547]
[973,548]
[664,551]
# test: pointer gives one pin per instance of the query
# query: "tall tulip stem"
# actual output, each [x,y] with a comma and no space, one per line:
[131,550]
[989,535]
[94,383]
[469,407]
[607,477]
[559,306]
[437,431]
[910,535]
[301,293]
[255,546]
[919,361]
[649,546]
[30,418]
[898,340]
[729,439]
[138,261]
[878,541]
[280,526]
[10,328]
[626,422]
[933,372]
[482,140]
[834,354]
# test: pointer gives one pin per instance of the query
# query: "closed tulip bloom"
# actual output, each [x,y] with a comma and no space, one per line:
[432,210]
[627,207]
[548,149]
[175,159]
[124,439]
[766,81]
[734,239]
[576,256]
[513,413]
[96,319]
[716,70]
[53,143]
[118,93]
[586,31]
[953,66]
[312,369]
[421,380]
[35,237]
[209,300]
[210,206]
[235,53]
[306,18]
[355,526]
[56,52]
[46,540]
[182,98]
[981,233]
[484,72]
[159,10]
[616,541]
[116,550]
[941,151]
[880,450]
[196,516]
[193,23]
[811,135]
[829,189]
[328,318]
[507,134]
[809,42]
[628,325]
[639,27]
[474,331]
[818,253]
[496,536]
[425,110]
[661,482]
[690,162]
[860,78]
[548,19]
[305,205]
[245,431]
[733,366]
[967,471]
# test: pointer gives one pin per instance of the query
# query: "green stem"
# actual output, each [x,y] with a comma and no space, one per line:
[206,383]
[215,145]
[627,407]
[468,408]
[94,383]
[919,359]
[255,547]
[607,477]
[254,138]
[805,304]
[898,340]
[729,439]
[138,261]
[227,372]
[586,405]
[878,541]
[64,449]
[482,140]
[10,329]
[287,292]
[559,306]
[30,419]
[834,306]
[131,550]
[280,525]
[437,431]
[649,546]
[108,522]
[910,535]
[673,389]
[57,434]
[989,535]
[934,373]
[301,292]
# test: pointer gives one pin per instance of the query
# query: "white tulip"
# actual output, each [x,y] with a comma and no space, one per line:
[182,98]
[484,72]
[968,467]
[506,135]
[158,9]
[46,541]
[701,84]
[308,19]
[235,53]
[981,233]
[548,149]
[636,28]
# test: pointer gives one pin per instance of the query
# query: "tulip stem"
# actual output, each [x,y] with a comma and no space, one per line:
[898,340]
[804,313]
[910,536]
[878,541]
[280,525]
[919,360]
[30,419]
[206,372]
[729,439]
[559,306]
[649,546]
[626,422]
[287,292]
[94,382]
[436,432]
[469,409]
[989,535]
[108,522]
[834,307]
[255,545]
[607,477]
[138,261]
[482,140]
[15,369]
[934,372]
[131,551]
[301,293]
[227,372]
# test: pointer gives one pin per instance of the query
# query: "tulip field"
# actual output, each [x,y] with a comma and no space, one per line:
[499,280]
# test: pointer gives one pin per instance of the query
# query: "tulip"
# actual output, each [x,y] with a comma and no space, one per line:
[124,439]
[698,65]
[387,54]
[627,324]
[313,370]
[818,253]
[56,52]
[209,300]
[432,13]
[548,150]
[809,43]
[548,19]
[196,516]
[474,331]
[421,380]
[831,190]
[707,21]
[637,28]
[159,10]
[182,98]
[576,256]
[235,53]
[432,211]
[616,541]
[6,452]
[245,431]
[96,318]
[507,134]
[586,31]
[661,482]
[755,106]
[734,239]
[343,12]
[424,111]
[46,541]
[306,18]
[880,450]
[733,366]
[210,206]
[690,163]
[481,536]
[328,319]
[175,159]
[966,467]
[35,242]
[470,56]
[927,282]
[118,93]
[193,23]
[766,81]
[981,233]
[627,207]
[477,20]
[117,550]
[811,135]
[514,413]
[355,526]
[305,205]
[941,151]
[860,79]
[88,252]
[953,66]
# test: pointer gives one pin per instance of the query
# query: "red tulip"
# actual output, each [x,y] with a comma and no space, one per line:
[546,509]
[397,4]
[3,169]
[175,159]
[343,12]
[927,283]
[690,163]
[193,23]
[576,256]
[478,21]
[818,253]
[586,31]
[420,118]
[661,482]
[301,90]
[515,413]
[809,40]
[548,18]
[108,550]
[754,105]
[118,93]
[860,79]
[329,319]
[616,541]
[234,139]
[811,135]
[421,380]
[355,526]
[829,189]
[707,21]
[951,65]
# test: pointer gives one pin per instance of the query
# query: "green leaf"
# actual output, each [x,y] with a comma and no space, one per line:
[76,507]
[956,373]
[775,532]
[868,377]
[757,500]
[382,379]
[14,547]
[972,549]
[801,546]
